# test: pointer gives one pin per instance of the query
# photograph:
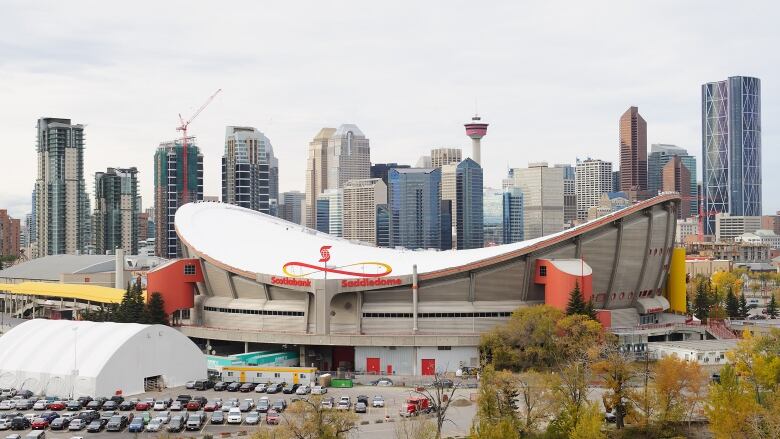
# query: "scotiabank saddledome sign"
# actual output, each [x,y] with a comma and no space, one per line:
[369,273]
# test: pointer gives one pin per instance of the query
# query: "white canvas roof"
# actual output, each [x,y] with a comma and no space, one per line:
[41,355]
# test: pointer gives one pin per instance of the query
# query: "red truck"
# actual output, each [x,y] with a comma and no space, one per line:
[414,406]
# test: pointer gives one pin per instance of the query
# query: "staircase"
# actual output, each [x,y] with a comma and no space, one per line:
[720,331]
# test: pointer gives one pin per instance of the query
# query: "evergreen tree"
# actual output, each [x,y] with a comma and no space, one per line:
[590,311]
[576,303]
[701,303]
[123,310]
[154,313]
[771,308]
[732,304]
[743,308]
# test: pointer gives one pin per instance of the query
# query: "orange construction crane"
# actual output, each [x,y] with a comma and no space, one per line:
[183,128]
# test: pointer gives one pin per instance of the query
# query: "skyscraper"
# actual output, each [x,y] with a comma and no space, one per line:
[633,152]
[62,207]
[316,173]
[10,233]
[542,188]
[170,191]
[569,193]
[469,206]
[414,208]
[677,178]
[333,216]
[493,214]
[513,215]
[445,156]
[449,191]
[116,220]
[246,169]
[335,157]
[593,179]
[291,206]
[731,148]
[380,170]
[362,199]
[659,156]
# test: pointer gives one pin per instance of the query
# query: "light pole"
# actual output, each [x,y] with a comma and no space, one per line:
[75,359]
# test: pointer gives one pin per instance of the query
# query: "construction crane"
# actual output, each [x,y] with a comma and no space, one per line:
[183,128]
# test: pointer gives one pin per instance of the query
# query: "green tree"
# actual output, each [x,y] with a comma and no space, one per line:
[496,405]
[154,312]
[307,419]
[771,308]
[576,303]
[743,308]
[732,304]
[701,303]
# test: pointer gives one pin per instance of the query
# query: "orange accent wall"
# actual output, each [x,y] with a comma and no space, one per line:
[558,284]
[604,316]
[176,288]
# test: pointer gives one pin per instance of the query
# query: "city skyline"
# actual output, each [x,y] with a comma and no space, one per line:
[42,82]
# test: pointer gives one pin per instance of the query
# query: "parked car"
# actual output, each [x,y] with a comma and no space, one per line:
[378,401]
[275,388]
[164,417]
[263,404]
[361,407]
[88,416]
[233,387]
[5,424]
[195,421]
[290,389]
[142,406]
[203,384]
[60,423]
[154,425]
[220,386]
[8,404]
[40,404]
[303,390]
[252,418]
[193,406]
[24,403]
[345,403]
[234,416]
[184,399]
[327,403]
[117,399]
[189,384]
[110,405]
[84,400]
[39,424]
[319,390]
[95,404]
[14,436]
[279,405]
[382,382]
[76,424]
[117,423]
[362,398]
[218,418]
[96,426]
[136,426]
[177,424]
[247,387]
[160,405]
[20,423]
[212,406]
[272,418]
[261,388]
[176,406]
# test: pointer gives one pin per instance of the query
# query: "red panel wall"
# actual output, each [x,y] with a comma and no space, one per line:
[176,288]
[558,284]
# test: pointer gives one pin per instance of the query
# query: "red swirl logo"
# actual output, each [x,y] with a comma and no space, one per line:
[325,253]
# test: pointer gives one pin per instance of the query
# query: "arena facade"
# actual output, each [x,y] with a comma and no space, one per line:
[253,278]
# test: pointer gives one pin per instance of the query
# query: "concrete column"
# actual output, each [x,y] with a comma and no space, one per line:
[246,347]
[414,298]
[119,267]
[302,355]
[359,312]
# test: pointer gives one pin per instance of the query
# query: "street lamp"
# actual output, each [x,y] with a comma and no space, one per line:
[75,371]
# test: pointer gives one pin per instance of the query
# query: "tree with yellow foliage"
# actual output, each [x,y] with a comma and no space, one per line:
[678,390]
[723,280]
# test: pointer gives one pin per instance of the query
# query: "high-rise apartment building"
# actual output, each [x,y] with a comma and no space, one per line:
[143,226]
[569,193]
[449,192]
[10,233]
[445,156]
[633,152]
[61,203]
[493,214]
[246,169]
[316,173]
[171,165]
[660,155]
[728,226]
[677,178]
[445,213]
[362,199]
[115,217]
[513,215]
[335,157]
[593,179]
[380,170]
[291,206]
[542,188]
[331,220]
[615,181]
[731,148]
[470,225]
[415,220]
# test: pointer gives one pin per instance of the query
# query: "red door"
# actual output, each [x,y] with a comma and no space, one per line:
[428,366]
[389,369]
[372,365]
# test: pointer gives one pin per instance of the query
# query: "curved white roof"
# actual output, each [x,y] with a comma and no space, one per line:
[254,242]
[41,355]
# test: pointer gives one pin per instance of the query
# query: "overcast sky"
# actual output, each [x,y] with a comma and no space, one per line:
[552,78]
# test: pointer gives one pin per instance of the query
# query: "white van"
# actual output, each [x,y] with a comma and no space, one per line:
[36,434]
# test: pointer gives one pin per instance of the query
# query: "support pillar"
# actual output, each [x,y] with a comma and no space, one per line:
[246,347]
[414,298]
[302,355]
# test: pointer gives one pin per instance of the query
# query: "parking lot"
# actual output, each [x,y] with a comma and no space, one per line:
[374,422]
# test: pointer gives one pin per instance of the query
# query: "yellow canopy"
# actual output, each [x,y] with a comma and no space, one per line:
[92,293]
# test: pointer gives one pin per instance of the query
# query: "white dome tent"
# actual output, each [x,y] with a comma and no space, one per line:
[68,358]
